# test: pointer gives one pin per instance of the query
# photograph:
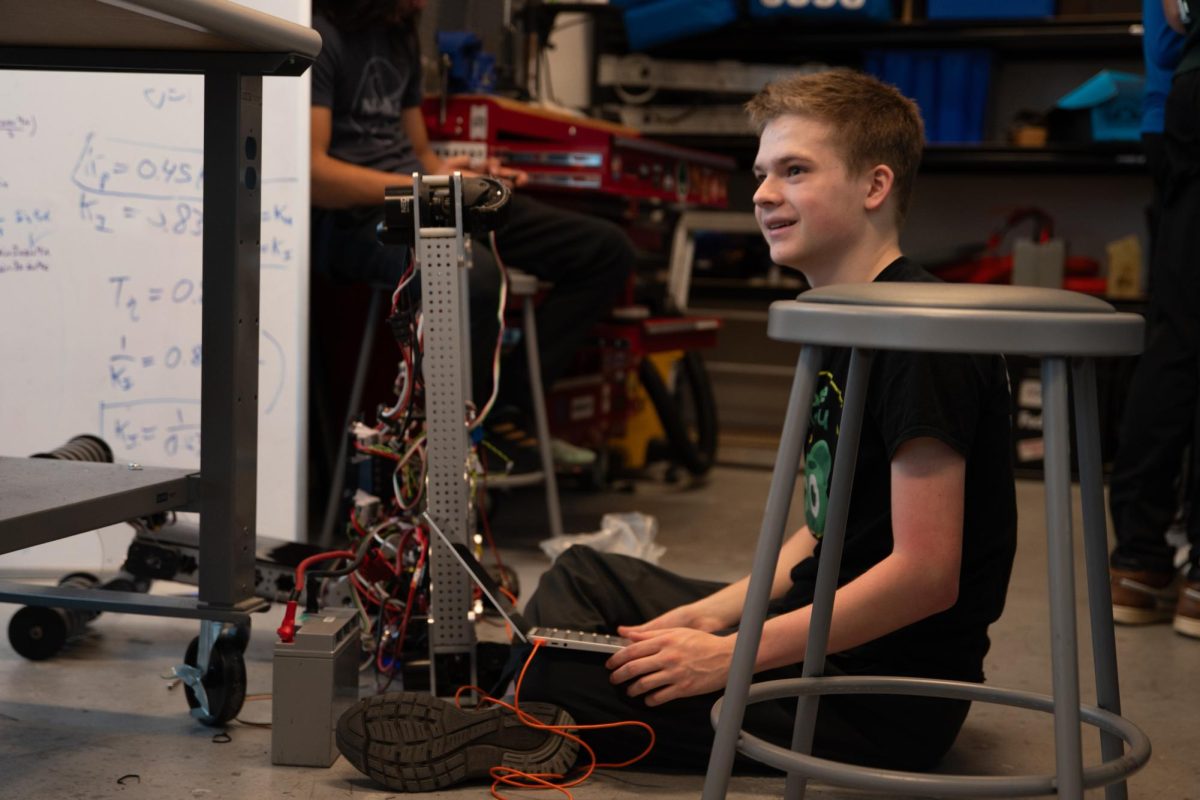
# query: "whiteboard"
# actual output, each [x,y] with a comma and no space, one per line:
[101,215]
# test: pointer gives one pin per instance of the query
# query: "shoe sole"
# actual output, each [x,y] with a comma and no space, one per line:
[1129,615]
[1188,626]
[412,742]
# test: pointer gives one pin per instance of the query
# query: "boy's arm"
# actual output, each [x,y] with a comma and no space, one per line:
[919,578]
[340,184]
[723,609]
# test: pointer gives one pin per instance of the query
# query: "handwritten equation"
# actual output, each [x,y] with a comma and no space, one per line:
[160,97]
[18,125]
[152,427]
[144,170]
[132,297]
[22,234]
[126,367]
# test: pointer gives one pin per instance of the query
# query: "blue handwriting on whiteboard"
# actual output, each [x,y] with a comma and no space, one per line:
[170,424]
[158,97]
[122,168]
[129,298]
[19,125]
[125,369]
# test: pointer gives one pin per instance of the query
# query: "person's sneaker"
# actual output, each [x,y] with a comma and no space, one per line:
[412,742]
[570,455]
[1187,611]
[509,447]
[1140,597]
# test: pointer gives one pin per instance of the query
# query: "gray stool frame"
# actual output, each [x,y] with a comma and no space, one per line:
[1060,328]
[525,286]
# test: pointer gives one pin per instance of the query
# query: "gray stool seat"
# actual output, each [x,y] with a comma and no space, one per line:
[957,318]
[1065,330]
[522,284]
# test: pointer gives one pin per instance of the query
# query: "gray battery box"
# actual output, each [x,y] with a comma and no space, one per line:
[315,679]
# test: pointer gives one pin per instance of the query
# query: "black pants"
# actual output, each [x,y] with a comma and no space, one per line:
[594,591]
[586,260]
[1160,418]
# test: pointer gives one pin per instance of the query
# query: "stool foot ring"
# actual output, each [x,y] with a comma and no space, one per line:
[896,781]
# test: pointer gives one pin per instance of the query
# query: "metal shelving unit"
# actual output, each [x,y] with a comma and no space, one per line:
[233,47]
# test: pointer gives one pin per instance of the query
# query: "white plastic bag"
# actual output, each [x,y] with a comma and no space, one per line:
[630,534]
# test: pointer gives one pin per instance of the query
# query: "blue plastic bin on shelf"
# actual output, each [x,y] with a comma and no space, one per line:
[667,20]
[1112,102]
[825,9]
[989,9]
[950,86]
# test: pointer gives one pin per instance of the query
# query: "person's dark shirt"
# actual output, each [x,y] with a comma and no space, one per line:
[367,79]
[964,401]
[1191,52]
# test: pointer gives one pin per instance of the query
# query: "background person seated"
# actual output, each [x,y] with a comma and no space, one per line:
[368,133]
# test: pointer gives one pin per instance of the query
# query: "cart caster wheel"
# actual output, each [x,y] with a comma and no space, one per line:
[239,635]
[224,682]
[38,633]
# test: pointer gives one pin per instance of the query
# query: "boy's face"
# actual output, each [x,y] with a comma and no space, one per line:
[809,207]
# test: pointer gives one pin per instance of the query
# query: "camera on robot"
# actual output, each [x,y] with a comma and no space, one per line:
[484,207]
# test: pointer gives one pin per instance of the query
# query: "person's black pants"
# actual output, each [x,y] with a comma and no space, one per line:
[1159,420]
[587,590]
[586,259]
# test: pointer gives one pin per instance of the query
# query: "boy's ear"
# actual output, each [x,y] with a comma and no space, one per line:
[879,189]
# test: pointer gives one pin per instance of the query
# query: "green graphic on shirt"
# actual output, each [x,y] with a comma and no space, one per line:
[817,469]
[822,442]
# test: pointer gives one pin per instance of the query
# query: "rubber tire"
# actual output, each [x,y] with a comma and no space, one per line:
[694,452]
[37,633]
[224,682]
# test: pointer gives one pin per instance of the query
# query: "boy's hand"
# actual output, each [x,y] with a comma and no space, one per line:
[665,665]
[680,617]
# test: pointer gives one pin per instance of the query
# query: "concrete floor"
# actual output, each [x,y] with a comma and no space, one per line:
[99,721]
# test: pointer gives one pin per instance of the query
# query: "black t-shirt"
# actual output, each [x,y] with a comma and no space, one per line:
[367,78]
[964,401]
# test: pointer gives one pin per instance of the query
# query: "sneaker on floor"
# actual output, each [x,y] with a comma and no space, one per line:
[1187,612]
[1140,597]
[570,455]
[413,742]
[509,445]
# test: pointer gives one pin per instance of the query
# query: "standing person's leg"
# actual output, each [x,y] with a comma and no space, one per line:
[1160,413]
[587,260]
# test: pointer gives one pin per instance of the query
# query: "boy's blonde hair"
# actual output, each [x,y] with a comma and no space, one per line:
[872,122]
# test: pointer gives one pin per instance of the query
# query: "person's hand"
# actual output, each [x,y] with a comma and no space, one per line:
[686,616]
[464,164]
[668,664]
[514,177]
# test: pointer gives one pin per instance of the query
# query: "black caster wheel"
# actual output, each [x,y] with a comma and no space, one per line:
[224,682]
[238,634]
[38,633]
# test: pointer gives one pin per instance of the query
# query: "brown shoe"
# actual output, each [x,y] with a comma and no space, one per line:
[1187,612]
[1140,597]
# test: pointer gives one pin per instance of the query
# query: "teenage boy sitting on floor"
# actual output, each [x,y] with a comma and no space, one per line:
[931,532]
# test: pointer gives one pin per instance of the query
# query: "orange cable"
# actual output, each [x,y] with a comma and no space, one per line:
[508,776]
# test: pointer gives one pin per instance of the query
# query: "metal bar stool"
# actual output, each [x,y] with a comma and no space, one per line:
[1051,324]
[525,286]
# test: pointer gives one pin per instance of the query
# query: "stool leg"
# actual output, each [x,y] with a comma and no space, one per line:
[553,511]
[1095,548]
[338,478]
[831,558]
[770,539]
[1064,648]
